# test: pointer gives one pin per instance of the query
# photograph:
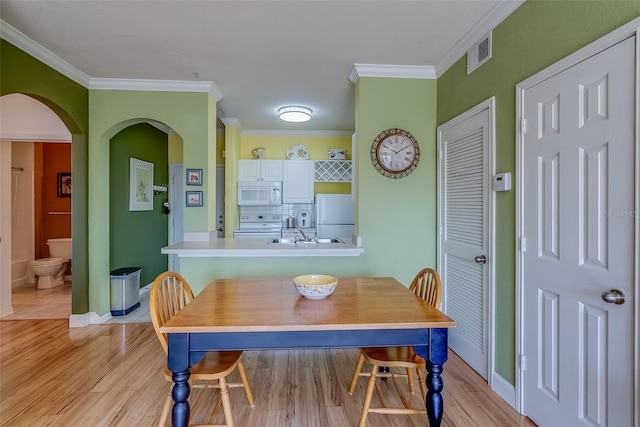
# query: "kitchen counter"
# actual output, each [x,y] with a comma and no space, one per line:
[260,247]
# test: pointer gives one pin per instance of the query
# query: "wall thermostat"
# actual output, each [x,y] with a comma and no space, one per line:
[502,182]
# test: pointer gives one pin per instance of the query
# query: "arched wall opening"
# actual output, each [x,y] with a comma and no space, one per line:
[36,152]
[138,231]
[191,115]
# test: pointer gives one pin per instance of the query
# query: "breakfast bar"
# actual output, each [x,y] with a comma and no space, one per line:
[268,313]
[265,247]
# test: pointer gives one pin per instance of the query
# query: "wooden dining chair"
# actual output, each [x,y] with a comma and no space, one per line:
[170,293]
[426,285]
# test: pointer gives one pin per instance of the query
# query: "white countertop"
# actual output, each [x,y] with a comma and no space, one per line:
[260,247]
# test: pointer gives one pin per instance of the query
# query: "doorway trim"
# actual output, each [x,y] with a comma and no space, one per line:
[6,307]
[628,30]
[493,379]
[176,193]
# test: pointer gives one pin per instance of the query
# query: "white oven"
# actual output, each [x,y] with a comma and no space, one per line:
[252,226]
[240,234]
[259,193]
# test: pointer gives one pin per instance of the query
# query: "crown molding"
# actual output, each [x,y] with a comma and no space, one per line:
[272,132]
[393,71]
[156,86]
[21,41]
[231,122]
[488,22]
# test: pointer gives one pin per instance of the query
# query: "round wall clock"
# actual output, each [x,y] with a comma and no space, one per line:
[395,153]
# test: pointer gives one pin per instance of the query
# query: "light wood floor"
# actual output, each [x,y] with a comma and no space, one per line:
[110,375]
[29,302]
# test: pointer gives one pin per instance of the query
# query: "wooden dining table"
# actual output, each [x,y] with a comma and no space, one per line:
[269,313]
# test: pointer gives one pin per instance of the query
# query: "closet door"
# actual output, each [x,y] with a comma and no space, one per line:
[463,219]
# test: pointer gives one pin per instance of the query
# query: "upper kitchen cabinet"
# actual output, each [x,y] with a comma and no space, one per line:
[333,171]
[297,183]
[260,170]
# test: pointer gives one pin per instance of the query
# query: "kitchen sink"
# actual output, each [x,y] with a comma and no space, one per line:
[282,241]
[332,240]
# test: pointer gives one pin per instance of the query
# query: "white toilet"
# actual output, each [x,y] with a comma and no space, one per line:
[50,271]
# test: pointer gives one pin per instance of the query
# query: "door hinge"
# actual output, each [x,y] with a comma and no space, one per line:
[440,231]
[440,154]
[523,125]
[523,362]
[523,244]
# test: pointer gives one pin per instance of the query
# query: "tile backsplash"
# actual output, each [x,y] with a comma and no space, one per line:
[287,210]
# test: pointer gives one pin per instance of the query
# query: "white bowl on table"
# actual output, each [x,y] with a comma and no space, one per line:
[315,286]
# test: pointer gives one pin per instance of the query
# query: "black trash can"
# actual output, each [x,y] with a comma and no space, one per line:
[125,290]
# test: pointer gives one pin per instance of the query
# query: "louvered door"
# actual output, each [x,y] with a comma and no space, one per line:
[463,235]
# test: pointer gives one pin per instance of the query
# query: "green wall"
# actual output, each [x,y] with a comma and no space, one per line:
[536,35]
[110,111]
[21,73]
[136,237]
[396,218]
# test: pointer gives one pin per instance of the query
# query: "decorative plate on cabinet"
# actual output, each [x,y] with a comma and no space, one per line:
[298,152]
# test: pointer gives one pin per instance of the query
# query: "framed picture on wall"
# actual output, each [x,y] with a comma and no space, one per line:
[194,198]
[64,184]
[194,176]
[140,185]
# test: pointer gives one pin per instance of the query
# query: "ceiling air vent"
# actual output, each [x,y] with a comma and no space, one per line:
[479,53]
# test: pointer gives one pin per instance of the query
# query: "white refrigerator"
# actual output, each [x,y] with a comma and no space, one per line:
[334,215]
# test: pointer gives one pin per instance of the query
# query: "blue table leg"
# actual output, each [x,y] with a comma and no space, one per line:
[178,363]
[436,357]
[181,412]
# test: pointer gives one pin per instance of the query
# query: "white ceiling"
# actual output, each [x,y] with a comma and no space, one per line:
[260,55]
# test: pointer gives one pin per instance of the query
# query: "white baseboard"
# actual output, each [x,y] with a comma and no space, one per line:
[7,311]
[145,289]
[79,320]
[504,389]
[96,319]
[92,318]
[86,319]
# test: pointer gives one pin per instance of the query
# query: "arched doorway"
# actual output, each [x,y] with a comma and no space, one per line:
[34,142]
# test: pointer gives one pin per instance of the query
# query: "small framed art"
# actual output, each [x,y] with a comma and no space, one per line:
[194,198]
[140,185]
[64,184]
[194,176]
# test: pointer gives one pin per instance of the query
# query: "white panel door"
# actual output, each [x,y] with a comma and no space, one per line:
[578,204]
[464,235]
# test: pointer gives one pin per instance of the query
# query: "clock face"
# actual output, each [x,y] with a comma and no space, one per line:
[395,153]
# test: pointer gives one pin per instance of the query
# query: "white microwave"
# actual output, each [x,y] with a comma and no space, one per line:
[259,193]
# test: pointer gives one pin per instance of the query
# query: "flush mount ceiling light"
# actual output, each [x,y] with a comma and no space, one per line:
[294,113]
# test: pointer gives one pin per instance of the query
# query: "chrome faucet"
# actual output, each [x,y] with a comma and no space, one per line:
[304,236]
